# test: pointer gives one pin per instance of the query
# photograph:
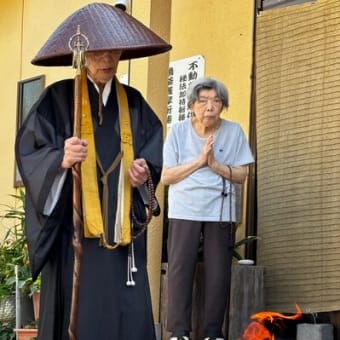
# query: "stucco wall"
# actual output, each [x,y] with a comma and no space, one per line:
[222,32]
[10,61]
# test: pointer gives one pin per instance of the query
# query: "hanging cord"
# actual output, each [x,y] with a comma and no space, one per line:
[224,194]
[131,266]
[100,104]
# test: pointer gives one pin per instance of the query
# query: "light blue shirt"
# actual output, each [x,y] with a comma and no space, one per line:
[198,196]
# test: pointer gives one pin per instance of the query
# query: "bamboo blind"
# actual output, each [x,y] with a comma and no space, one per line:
[298,160]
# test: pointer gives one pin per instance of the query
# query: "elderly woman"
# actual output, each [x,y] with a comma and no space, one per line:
[201,157]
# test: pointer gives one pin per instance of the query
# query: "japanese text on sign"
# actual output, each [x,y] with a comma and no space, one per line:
[181,74]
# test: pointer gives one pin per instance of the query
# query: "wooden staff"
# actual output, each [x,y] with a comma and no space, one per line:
[80,43]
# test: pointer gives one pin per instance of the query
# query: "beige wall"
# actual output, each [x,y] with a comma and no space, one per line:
[10,61]
[221,33]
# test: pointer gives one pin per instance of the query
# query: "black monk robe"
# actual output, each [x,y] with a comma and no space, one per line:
[108,308]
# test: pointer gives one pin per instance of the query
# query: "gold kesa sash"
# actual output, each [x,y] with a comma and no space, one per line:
[92,212]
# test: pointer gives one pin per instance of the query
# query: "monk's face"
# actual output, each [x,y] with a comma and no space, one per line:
[102,65]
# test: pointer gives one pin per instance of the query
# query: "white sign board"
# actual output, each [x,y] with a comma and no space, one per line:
[181,73]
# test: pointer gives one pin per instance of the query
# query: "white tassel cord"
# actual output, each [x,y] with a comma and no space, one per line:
[131,266]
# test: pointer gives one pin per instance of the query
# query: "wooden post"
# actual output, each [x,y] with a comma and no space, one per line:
[246,297]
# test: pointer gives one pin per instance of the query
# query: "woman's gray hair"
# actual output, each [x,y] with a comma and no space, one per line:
[206,83]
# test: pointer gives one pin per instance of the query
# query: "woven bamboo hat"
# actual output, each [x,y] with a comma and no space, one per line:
[107,28]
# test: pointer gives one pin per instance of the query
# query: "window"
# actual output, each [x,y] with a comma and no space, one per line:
[28,92]
[270,4]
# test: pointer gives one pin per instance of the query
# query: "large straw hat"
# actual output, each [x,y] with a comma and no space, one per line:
[107,28]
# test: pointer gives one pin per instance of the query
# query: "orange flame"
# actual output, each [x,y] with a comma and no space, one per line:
[257,331]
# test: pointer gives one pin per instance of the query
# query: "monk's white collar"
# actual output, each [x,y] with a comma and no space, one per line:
[106,91]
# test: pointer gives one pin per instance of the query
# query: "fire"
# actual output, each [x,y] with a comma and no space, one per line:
[256,329]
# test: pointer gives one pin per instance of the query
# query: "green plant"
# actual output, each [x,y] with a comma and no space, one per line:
[33,324]
[238,244]
[14,260]
[7,330]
